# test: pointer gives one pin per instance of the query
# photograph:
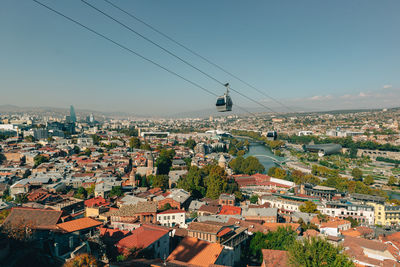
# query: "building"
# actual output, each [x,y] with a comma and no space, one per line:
[386,214]
[194,252]
[226,199]
[364,214]
[323,149]
[144,212]
[320,191]
[147,237]
[171,218]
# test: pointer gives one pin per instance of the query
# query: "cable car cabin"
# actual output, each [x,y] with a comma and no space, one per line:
[224,103]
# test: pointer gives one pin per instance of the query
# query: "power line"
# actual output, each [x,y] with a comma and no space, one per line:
[131,51]
[171,53]
[197,54]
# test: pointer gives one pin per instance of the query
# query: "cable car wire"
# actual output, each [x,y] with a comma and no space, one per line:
[197,54]
[172,54]
[131,51]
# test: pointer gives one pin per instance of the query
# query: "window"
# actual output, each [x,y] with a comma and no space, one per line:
[173,217]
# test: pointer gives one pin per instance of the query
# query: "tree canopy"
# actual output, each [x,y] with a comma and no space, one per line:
[309,207]
[281,239]
[249,165]
[317,252]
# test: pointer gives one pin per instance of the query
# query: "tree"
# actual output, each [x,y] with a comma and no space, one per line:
[317,252]
[160,181]
[88,152]
[253,199]
[309,207]
[39,159]
[82,260]
[271,171]
[215,186]
[96,139]
[368,180]
[30,138]
[281,239]
[354,222]
[2,158]
[392,181]
[279,173]
[76,150]
[116,191]
[21,198]
[81,193]
[164,161]
[134,142]
[249,165]
[190,143]
[357,174]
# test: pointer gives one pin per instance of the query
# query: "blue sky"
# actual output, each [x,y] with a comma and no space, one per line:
[325,54]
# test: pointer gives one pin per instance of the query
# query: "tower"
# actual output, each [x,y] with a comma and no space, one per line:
[222,162]
[150,160]
[72,114]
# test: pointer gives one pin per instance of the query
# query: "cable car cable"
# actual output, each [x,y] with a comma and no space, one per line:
[131,51]
[171,53]
[197,54]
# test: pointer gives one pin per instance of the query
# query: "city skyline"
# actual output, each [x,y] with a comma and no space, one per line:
[310,56]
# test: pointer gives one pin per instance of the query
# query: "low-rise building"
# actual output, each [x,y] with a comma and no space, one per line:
[172,218]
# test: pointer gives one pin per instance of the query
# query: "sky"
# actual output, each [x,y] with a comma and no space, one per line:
[321,55]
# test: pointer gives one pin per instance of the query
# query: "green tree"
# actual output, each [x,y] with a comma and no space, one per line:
[253,199]
[160,181]
[317,252]
[368,180]
[2,158]
[215,186]
[164,161]
[39,159]
[271,171]
[354,222]
[309,207]
[116,191]
[392,181]
[88,152]
[96,139]
[134,142]
[249,165]
[280,173]
[281,239]
[190,143]
[81,193]
[76,150]
[357,174]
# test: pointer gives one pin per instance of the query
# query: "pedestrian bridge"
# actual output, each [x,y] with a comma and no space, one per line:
[279,162]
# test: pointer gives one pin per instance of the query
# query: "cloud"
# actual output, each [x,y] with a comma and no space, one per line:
[362,94]
[387,86]
[321,97]
[346,96]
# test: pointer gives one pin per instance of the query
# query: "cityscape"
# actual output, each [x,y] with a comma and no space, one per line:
[109,161]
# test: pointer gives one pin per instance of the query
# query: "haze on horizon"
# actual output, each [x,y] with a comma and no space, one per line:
[308,54]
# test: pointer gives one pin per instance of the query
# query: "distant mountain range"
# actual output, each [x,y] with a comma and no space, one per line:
[189,114]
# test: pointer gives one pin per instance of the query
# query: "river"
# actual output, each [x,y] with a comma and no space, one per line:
[260,151]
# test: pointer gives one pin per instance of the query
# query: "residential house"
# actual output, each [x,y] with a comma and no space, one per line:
[146,237]
[172,217]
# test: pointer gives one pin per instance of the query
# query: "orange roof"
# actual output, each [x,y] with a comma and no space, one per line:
[142,237]
[224,232]
[272,258]
[351,232]
[334,223]
[96,201]
[78,224]
[197,252]
[230,210]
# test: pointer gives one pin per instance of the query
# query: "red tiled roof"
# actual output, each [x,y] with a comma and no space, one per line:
[196,252]
[142,237]
[230,210]
[78,224]
[171,211]
[224,232]
[273,258]
[38,218]
[96,202]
